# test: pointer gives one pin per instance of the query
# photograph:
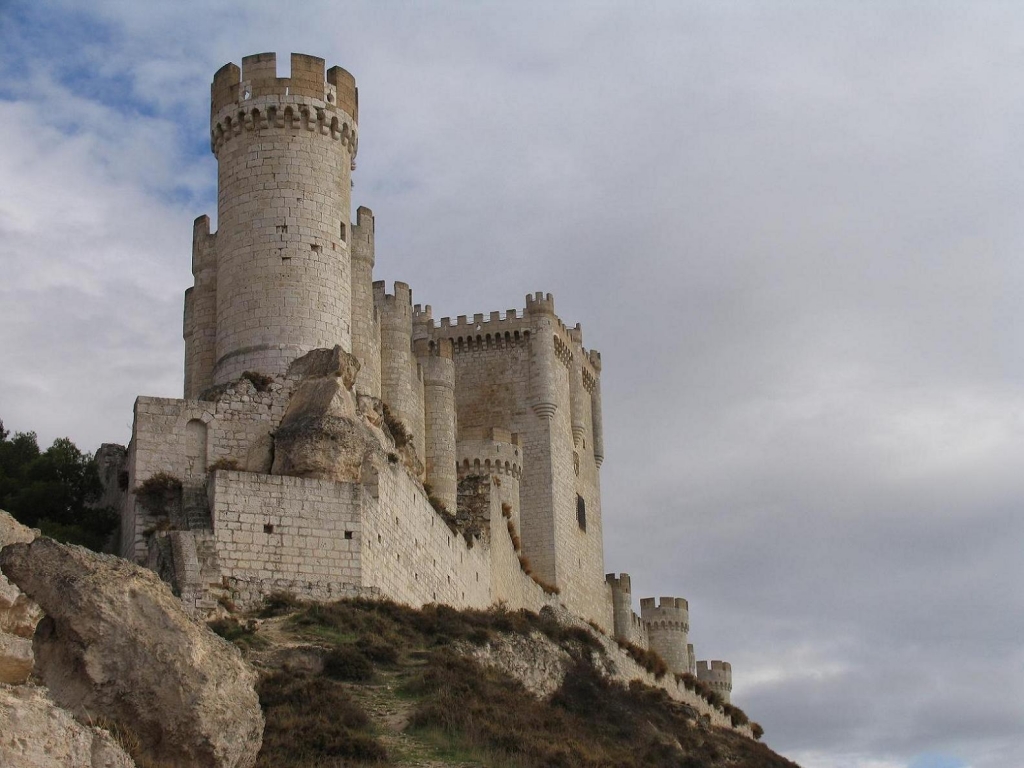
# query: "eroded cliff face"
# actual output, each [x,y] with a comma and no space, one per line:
[114,646]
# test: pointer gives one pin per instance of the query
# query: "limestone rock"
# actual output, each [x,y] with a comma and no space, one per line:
[327,447]
[117,645]
[13,532]
[15,659]
[323,434]
[260,457]
[18,614]
[326,362]
[36,733]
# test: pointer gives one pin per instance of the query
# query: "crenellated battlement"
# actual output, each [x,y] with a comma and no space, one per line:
[397,305]
[540,302]
[433,348]
[254,98]
[620,582]
[489,451]
[717,675]
[666,613]
[363,235]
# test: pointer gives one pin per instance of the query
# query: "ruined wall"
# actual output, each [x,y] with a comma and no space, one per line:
[183,438]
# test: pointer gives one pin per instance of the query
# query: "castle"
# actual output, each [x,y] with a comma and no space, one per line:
[334,438]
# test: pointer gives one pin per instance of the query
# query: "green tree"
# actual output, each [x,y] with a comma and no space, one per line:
[55,490]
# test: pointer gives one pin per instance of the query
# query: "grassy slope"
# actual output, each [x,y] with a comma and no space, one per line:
[366,682]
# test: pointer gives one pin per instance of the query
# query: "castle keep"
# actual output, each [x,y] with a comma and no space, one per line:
[335,438]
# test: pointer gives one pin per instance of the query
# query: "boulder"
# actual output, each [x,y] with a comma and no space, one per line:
[116,645]
[323,433]
[15,659]
[18,614]
[36,733]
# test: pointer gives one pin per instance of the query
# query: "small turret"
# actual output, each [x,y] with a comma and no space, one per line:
[668,625]
[435,358]
[540,309]
[622,606]
[365,324]
[718,676]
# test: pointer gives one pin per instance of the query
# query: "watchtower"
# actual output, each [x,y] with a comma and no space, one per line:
[718,676]
[275,280]
[668,626]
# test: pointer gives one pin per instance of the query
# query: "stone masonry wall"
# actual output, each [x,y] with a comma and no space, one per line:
[274,529]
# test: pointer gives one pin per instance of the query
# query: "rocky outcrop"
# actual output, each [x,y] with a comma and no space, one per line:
[323,434]
[18,614]
[35,733]
[116,645]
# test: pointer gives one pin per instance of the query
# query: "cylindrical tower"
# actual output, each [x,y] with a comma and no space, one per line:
[576,392]
[396,359]
[540,309]
[200,326]
[435,358]
[285,147]
[365,326]
[718,676]
[622,606]
[668,624]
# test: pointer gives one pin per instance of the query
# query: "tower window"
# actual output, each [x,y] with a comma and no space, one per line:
[581,512]
[341,232]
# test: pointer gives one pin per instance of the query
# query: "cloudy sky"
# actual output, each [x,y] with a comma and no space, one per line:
[792,229]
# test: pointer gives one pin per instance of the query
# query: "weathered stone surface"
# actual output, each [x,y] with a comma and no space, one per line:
[323,447]
[260,457]
[326,362]
[15,659]
[36,733]
[116,644]
[13,532]
[533,660]
[18,614]
[323,434]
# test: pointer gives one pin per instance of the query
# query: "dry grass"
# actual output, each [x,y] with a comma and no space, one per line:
[464,713]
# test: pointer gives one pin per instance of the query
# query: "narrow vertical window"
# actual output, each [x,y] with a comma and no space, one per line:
[581,512]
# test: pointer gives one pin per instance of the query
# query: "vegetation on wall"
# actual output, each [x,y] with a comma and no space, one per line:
[53,490]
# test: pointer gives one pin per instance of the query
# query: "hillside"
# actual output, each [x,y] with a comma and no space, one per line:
[378,683]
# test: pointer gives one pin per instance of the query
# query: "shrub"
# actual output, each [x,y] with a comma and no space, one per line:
[550,589]
[311,720]
[735,714]
[757,730]
[158,492]
[260,382]
[513,534]
[234,631]
[398,431]
[646,658]
[346,662]
[278,604]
